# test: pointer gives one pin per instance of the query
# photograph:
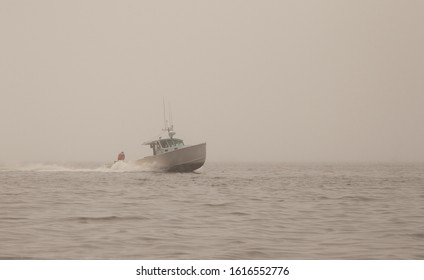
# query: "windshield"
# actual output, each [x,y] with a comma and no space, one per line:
[169,141]
[178,142]
[163,143]
[166,143]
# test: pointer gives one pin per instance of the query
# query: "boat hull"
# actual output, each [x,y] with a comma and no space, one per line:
[186,159]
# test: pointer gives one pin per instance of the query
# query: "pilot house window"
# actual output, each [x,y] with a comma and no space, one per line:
[164,144]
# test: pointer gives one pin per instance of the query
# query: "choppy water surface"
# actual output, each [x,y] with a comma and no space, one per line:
[226,211]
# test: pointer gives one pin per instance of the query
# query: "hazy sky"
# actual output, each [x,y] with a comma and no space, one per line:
[257,80]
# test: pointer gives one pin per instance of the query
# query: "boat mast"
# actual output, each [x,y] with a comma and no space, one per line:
[171,123]
[164,116]
[170,128]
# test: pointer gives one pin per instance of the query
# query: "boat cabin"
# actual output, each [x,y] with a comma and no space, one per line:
[165,145]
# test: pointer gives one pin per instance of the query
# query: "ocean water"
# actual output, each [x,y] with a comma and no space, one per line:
[224,211]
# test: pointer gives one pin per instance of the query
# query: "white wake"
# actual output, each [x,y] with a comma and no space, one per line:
[119,166]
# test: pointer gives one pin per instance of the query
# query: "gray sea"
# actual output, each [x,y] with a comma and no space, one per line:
[224,211]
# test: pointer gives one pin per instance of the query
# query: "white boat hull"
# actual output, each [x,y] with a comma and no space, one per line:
[186,159]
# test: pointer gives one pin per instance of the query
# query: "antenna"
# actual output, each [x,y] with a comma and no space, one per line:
[170,128]
[171,123]
[164,116]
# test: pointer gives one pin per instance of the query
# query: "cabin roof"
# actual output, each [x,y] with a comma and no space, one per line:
[154,141]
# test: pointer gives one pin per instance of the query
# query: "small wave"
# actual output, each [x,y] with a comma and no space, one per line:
[17,258]
[219,178]
[322,197]
[239,213]
[12,219]
[357,198]
[218,204]
[85,220]
[418,235]
[255,254]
